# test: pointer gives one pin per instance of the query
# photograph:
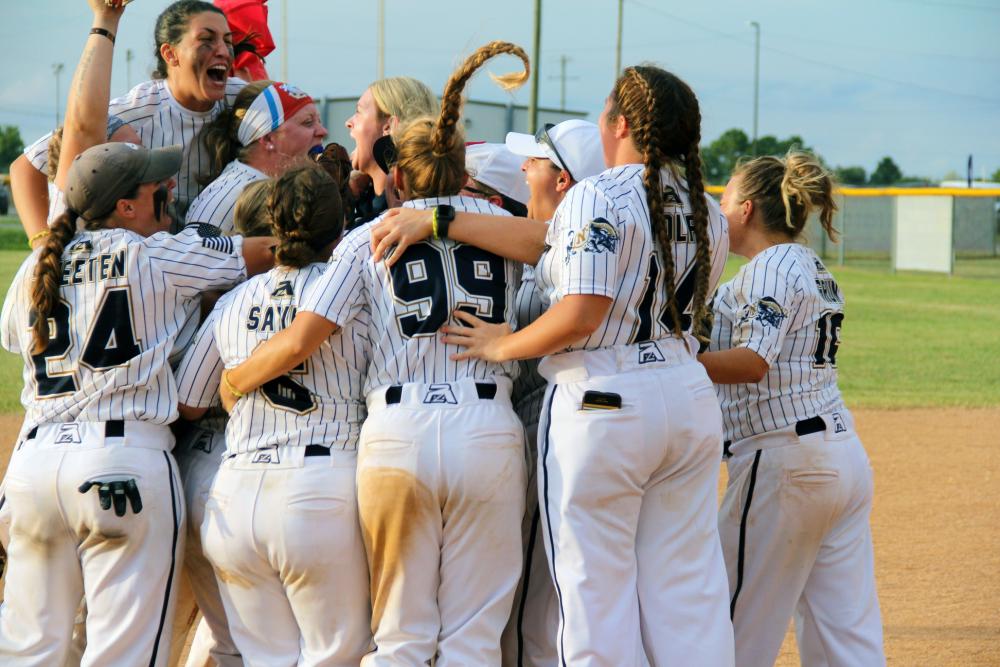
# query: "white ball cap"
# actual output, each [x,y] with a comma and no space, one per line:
[496,167]
[576,141]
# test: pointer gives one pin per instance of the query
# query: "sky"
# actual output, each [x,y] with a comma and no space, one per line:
[918,80]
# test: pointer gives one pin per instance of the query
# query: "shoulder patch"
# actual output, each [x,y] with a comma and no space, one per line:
[221,244]
[599,237]
[283,290]
[765,310]
[670,196]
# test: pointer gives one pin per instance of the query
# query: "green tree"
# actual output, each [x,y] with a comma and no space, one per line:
[720,156]
[886,173]
[851,175]
[996,176]
[10,145]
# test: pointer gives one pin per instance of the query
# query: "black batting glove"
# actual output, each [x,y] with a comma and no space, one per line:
[117,492]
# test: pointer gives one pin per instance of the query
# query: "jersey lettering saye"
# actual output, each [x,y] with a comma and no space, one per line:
[410,302]
[160,120]
[319,403]
[600,243]
[123,299]
[785,306]
[217,202]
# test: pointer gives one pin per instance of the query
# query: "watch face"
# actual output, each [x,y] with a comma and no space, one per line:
[446,212]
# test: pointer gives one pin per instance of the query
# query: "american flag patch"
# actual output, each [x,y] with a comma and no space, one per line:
[219,244]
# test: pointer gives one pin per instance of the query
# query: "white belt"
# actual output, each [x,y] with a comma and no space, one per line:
[441,394]
[579,365]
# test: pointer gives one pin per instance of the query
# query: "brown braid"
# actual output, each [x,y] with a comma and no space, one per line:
[431,152]
[48,275]
[306,215]
[220,137]
[664,122]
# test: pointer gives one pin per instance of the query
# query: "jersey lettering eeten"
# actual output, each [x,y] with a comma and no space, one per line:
[217,202]
[319,403]
[152,111]
[122,301]
[785,306]
[600,243]
[412,300]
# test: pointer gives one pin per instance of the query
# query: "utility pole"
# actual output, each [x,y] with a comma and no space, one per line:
[57,69]
[563,59]
[756,84]
[618,42]
[536,49]
[284,40]
[380,68]
[128,67]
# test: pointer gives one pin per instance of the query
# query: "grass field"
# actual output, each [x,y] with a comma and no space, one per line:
[908,340]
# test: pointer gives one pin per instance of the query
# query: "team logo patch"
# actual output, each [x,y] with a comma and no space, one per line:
[670,196]
[82,248]
[766,310]
[599,237]
[266,456]
[283,290]
[69,434]
[440,394]
[649,352]
[838,423]
[203,442]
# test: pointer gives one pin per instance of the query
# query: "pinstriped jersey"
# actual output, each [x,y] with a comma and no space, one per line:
[785,306]
[160,120]
[122,301]
[600,243]
[217,201]
[529,388]
[319,403]
[411,301]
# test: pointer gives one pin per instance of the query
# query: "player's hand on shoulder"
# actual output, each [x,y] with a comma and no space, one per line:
[397,230]
[480,339]
[118,493]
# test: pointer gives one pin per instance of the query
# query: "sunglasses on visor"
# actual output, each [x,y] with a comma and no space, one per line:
[543,138]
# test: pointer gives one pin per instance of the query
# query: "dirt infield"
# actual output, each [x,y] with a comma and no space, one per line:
[936,527]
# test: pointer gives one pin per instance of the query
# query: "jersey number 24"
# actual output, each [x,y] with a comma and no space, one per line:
[111,343]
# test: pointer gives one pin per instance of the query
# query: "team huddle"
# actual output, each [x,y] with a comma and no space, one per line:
[426,401]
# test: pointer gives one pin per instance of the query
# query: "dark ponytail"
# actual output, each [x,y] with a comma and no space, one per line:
[306,215]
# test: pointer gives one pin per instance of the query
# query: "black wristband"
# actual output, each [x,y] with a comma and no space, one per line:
[445,214]
[104,33]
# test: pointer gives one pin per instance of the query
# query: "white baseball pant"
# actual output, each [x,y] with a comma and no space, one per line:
[64,546]
[199,454]
[441,496]
[281,530]
[629,507]
[796,536]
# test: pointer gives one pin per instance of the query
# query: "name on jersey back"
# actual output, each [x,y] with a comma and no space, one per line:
[106,266]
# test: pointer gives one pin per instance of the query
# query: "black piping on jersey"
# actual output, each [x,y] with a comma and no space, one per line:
[743,534]
[173,560]
[525,580]
[547,409]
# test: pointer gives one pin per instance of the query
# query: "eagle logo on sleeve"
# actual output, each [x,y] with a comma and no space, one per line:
[599,237]
[765,310]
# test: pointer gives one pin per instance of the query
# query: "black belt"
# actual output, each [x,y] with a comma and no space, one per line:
[112,429]
[317,450]
[394,394]
[804,427]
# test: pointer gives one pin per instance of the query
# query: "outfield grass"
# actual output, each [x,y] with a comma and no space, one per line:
[908,339]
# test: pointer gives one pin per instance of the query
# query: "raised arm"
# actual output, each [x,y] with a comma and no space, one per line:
[519,239]
[30,189]
[90,91]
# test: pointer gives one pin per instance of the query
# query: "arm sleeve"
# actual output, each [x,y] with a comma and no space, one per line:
[200,371]
[586,227]
[339,294]
[197,259]
[763,303]
[38,153]
[10,321]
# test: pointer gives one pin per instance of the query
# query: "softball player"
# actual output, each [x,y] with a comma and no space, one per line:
[440,464]
[630,431]
[98,397]
[190,87]
[270,128]
[281,523]
[794,521]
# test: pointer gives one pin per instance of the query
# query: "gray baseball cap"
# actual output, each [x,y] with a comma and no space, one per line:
[103,174]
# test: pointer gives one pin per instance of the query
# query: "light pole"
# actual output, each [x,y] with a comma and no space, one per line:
[563,59]
[128,67]
[57,69]
[381,40]
[284,40]
[756,83]
[618,42]
[536,48]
